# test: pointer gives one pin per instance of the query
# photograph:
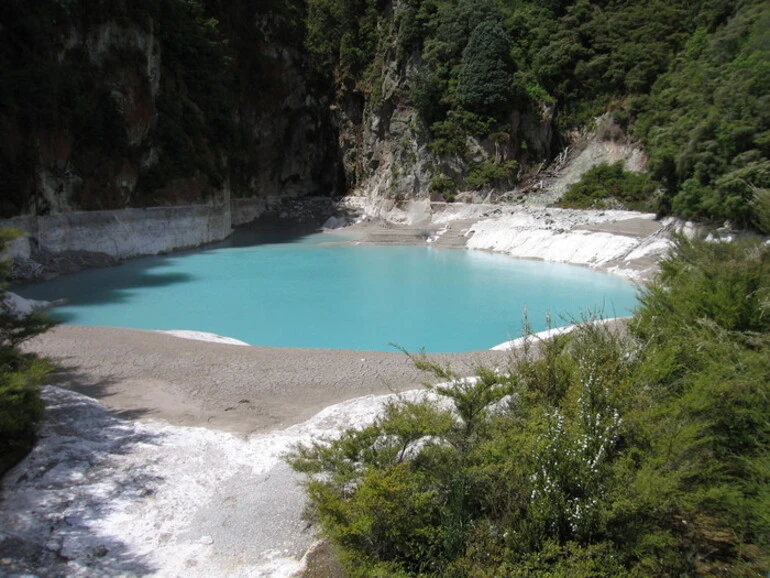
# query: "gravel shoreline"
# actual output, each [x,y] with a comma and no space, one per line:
[146,374]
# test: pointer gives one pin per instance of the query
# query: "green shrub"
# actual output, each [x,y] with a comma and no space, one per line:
[491,174]
[604,184]
[761,210]
[427,93]
[450,136]
[444,186]
[726,283]
[20,406]
[733,194]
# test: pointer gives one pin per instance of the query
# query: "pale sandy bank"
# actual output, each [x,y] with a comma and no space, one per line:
[145,374]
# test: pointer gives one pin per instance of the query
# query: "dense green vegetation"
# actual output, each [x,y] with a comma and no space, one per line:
[690,79]
[483,81]
[604,453]
[706,122]
[20,405]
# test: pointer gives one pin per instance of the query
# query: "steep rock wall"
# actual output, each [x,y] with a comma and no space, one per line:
[122,233]
[389,152]
[113,105]
[64,243]
[182,102]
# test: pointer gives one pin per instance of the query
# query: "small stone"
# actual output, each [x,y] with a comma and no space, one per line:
[206,540]
[331,223]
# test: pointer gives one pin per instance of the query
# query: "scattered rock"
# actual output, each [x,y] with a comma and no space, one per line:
[45,265]
[18,306]
[99,552]
[332,223]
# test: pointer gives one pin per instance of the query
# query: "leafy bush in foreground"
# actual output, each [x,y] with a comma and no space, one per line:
[603,453]
[20,406]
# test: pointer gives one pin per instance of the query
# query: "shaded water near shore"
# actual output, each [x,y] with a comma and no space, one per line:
[309,292]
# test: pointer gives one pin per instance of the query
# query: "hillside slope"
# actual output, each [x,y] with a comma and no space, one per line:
[109,104]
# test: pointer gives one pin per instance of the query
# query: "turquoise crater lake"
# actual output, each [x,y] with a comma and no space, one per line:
[309,293]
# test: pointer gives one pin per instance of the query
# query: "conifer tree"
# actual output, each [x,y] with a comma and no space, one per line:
[484,85]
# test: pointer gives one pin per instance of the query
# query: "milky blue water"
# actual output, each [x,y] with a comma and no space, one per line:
[307,293]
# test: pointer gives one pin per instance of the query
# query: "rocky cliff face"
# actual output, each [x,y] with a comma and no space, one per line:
[384,152]
[385,146]
[288,145]
[69,173]
[157,104]
[115,105]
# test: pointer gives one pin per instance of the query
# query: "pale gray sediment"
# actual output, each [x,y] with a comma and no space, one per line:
[238,389]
